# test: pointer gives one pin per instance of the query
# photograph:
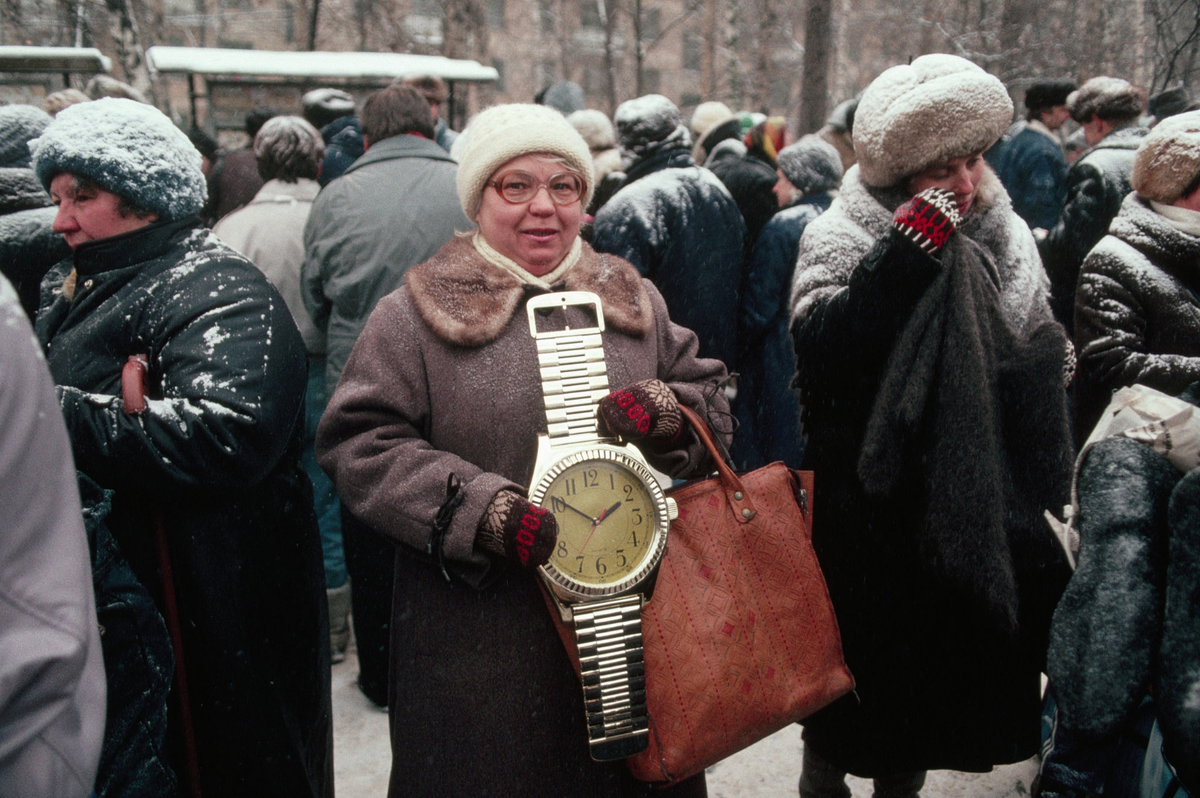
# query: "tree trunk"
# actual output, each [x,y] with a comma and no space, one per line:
[814,90]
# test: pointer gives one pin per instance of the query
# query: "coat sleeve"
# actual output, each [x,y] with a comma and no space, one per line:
[1083,223]
[52,687]
[1111,321]
[227,381]
[698,383]
[372,441]
[317,245]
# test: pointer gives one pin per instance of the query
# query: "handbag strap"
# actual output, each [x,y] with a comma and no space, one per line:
[739,499]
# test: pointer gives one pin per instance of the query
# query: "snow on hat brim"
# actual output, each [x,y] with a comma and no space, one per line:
[19,124]
[504,132]
[935,109]
[1168,159]
[812,165]
[128,148]
[645,120]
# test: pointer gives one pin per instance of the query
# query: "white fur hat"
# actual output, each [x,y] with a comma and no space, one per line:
[1168,159]
[504,132]
[936,108]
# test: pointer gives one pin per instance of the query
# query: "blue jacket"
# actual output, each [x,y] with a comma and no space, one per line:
[678,225]
[767,409]
[1033,169]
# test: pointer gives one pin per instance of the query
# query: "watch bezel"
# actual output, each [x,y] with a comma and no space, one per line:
[583,590]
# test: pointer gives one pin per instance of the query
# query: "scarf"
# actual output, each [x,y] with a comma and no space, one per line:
[979,410]
[546,280]
[1182,219]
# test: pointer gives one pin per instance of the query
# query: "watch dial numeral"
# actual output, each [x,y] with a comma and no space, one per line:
[601,568]
[637,516]
[558,505]
[562,550]
[591,478]
[569,484]
[580,559]
[628,492]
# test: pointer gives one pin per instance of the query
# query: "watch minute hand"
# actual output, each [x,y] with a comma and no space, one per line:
[581,512]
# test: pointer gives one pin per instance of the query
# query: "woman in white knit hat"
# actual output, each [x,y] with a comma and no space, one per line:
[431,438]
[932,377]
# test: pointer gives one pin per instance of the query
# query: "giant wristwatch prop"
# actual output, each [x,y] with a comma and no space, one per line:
[613,520]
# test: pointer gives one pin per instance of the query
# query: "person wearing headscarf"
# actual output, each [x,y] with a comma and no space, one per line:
[28,244]
[181,378]
[1097,183]
[751,178]
[1137,311]
[431,437]
[766,406]
[933,381]
[677,224]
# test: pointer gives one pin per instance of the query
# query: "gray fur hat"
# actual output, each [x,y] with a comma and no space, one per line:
[1168,159]
[647,120]
[812,165]
[19,124]
[127,148]
[1108,98]
[936,108]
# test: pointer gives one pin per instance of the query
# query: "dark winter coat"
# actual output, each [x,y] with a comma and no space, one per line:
[232,183]
[343,146]
[444,380]
[767,409]
[677,224]
[1096,185]
[215,457]
[934,474]
[28,244]
[1137,313]
[1033,169]
[750,180]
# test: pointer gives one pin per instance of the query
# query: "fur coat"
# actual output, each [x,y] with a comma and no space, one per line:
[936,414]
[444,379]
[1137,312]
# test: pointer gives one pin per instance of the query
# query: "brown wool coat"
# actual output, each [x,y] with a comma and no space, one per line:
[443,380]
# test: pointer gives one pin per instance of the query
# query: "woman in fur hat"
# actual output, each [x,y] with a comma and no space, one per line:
[1137,311]
[209,453]
[932,376]
[434,426]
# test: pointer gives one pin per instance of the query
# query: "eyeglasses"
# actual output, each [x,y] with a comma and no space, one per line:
[517,187]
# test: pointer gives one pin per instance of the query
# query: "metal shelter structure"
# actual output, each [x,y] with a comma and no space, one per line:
[303,69]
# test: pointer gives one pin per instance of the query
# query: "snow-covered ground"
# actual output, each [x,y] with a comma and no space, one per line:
[769,769]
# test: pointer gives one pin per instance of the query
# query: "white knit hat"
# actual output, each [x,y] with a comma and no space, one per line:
[504,132]
[1168,159]
[937,108]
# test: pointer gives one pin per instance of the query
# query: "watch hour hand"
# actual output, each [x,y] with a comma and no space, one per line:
[616,506]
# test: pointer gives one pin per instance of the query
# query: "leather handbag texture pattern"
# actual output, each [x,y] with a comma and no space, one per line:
[739,638]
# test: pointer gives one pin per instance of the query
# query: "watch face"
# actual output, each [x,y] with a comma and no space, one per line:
[608,519]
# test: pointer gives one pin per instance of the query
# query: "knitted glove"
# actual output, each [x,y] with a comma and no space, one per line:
[512,527]
[928,219]
[644,409]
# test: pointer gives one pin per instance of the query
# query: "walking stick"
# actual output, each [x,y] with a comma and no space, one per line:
[133,392]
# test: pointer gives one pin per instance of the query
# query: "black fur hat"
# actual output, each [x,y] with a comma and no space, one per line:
[1048,93]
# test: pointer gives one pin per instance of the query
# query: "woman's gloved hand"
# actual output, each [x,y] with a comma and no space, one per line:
[646,409]
[928,219]
[512,527]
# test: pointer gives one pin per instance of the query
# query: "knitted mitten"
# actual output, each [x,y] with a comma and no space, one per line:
[1105,631]
[512,527]
[928,219]
[1177,689]
[646,409]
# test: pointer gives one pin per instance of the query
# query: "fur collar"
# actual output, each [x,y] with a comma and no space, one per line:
[836,241]
[1138,225]
[469,301]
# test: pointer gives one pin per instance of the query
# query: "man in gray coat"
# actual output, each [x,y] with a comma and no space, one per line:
[392,209]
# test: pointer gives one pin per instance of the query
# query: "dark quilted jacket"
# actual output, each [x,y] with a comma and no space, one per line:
[1096,185]
[28,244]
[1137,313]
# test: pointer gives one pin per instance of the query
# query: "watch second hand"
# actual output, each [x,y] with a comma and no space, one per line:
[596,523]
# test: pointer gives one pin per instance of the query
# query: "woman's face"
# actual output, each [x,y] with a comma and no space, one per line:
[88,213]
[783,188]
[537,234]
[958,175]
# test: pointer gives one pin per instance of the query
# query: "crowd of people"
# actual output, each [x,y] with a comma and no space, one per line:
[283,394]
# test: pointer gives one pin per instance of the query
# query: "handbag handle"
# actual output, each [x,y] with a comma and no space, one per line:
[739,499]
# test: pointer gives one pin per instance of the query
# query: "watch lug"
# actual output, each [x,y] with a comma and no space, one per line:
[560,600]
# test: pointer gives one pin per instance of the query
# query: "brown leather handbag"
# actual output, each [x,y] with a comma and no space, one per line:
[740,638]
